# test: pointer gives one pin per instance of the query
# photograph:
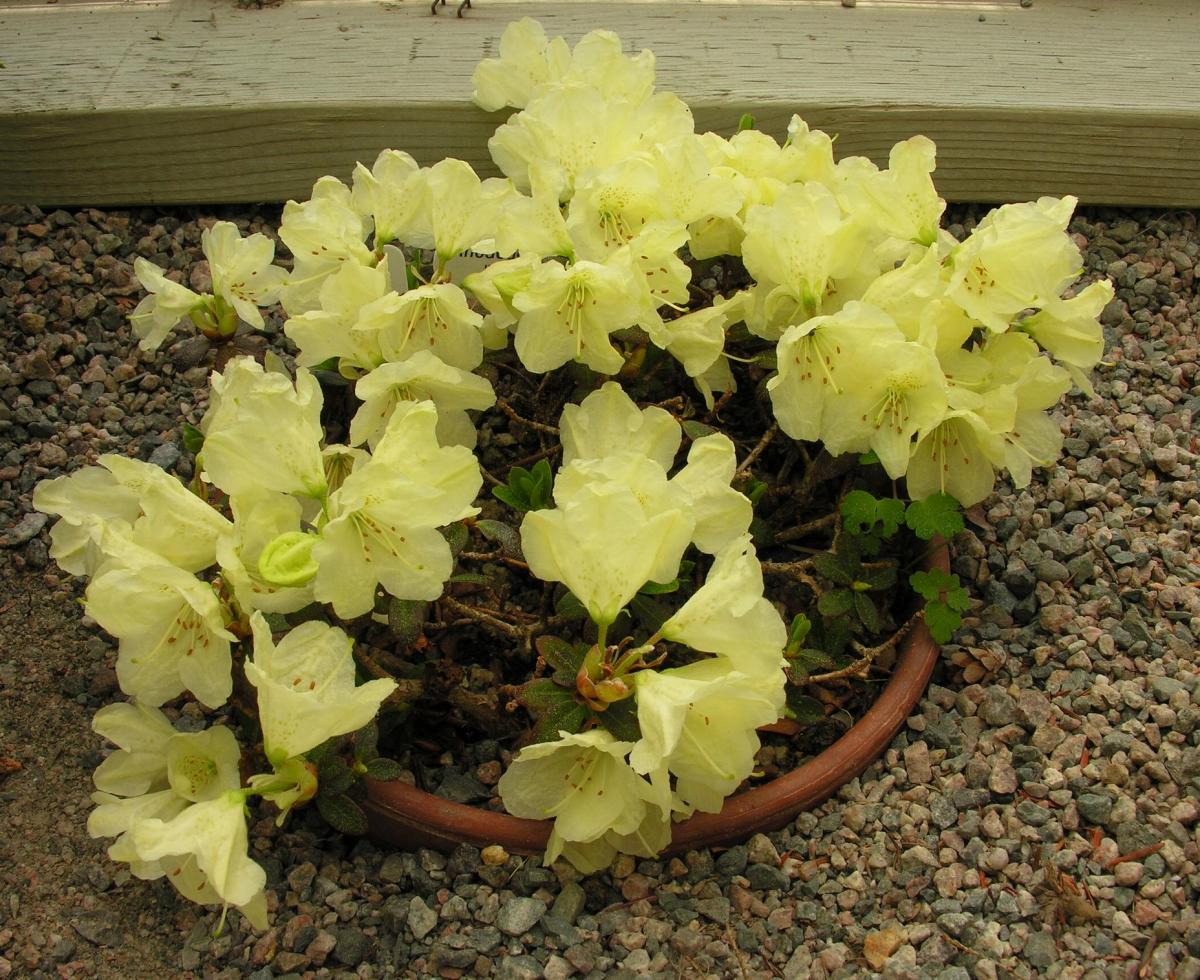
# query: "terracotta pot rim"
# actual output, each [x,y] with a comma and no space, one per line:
[407,817]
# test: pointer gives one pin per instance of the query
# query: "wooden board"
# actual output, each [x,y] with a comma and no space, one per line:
[186,101]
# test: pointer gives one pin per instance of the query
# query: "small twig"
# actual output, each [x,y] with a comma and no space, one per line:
[758,450]
[484,619]
[511,412]
[804,530]
[540,454]
[407,689]
[516,372]
[1141,852]
[489,478]
[866,655]
[1156,937]
[720,404]
[732,940]
[797,570]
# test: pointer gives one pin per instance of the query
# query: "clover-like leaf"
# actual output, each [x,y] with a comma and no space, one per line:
[942,621]
[861,512]
[939,514]
[937,585]
[945,601]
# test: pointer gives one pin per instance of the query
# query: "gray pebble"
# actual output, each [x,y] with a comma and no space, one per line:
[519,915]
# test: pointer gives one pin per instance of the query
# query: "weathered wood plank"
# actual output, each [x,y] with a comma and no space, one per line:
[177,101]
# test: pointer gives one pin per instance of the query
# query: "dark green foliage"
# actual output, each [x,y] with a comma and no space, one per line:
[939,514]
[527,489]
[342,813]
[945,601]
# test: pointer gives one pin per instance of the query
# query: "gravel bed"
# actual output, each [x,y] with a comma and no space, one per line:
[1062,731]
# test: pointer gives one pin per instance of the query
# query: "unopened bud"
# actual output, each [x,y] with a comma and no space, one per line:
[287,560]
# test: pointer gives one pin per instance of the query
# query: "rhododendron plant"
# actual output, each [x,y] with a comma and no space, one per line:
[430,301]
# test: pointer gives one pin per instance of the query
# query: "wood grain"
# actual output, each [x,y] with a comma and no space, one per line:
[184,101]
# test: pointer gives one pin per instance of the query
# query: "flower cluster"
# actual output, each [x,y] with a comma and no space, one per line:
[885,336]
[696,720]
[178,580]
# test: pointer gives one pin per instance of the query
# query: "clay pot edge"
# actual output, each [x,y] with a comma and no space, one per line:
[409,818]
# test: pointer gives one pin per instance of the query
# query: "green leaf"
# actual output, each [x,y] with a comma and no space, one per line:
[469,578]
[542,695]
[746,122]
[527,489]
[560,654]
[329,366]
[942,621]
[890,513]
[804,709]
[277,621]
[831,635]
[568,605]
[542,485]
[508,496]
[939,514]
[322,752]
[503,534]
[456,536]
[932,585]
[697,430]
[650,614]
[366,743]
[868,614]
[798,631]
[836,569]
[620,718]
[755,491]
[566,715]
[659,588]
[878,579]
[343,814]
[836,603]
[193,438]
[333,777]
[868,458]
[869,544]
[945,601]
[858,511]
[385,770]
[406,619]
[808,661]
[861,512]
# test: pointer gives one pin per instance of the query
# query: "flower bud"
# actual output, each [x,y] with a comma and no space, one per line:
[287,560]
